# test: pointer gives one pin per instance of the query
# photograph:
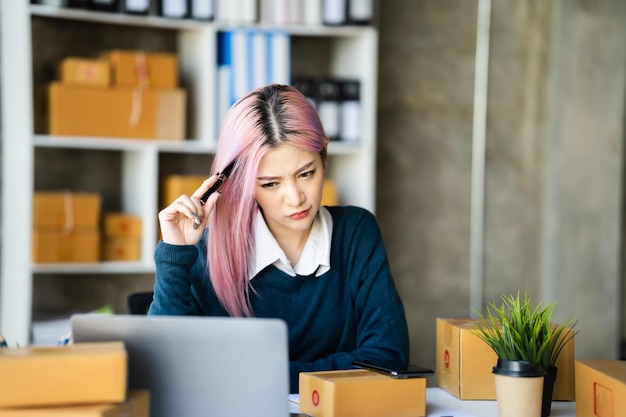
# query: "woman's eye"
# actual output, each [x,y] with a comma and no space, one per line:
[307,174]
[269,184]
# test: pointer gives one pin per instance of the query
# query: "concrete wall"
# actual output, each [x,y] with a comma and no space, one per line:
[554,155]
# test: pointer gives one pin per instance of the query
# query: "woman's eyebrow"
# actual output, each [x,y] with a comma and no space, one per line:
[298,171]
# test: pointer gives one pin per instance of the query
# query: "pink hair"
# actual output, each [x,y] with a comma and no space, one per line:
[262,120]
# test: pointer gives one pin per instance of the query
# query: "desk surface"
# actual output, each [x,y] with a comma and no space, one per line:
[440,403]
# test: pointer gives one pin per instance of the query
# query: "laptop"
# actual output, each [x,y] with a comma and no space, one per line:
[200,366]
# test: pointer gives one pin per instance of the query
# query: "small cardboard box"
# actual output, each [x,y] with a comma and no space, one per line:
[464,363]
[137,404]
[66,210]
[121,248]
[600,388]
[138,68]
[121,225]
[80,373]
[121,112]
[84,71]
[173,186]
[79,245]
[357,392]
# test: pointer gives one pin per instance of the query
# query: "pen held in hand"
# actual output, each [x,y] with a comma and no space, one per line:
[221,177]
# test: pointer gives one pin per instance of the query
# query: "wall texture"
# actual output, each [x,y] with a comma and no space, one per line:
[554,156]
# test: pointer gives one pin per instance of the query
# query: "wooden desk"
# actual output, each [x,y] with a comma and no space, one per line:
[440,403]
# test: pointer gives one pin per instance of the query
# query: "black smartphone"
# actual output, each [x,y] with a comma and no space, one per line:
[395,369]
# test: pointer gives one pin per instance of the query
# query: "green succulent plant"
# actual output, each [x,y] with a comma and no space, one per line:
[517,330]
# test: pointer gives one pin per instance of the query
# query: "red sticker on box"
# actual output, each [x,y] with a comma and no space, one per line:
[315,397]
[446,358]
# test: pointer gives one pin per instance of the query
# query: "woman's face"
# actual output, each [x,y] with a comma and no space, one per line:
[289,188]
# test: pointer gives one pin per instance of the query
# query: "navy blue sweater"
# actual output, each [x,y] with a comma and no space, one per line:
[351,312]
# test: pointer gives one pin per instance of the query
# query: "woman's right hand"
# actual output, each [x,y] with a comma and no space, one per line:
[179,218]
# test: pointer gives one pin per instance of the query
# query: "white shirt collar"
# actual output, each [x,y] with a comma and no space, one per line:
[315,256]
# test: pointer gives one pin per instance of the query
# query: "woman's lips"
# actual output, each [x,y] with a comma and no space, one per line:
[299,215]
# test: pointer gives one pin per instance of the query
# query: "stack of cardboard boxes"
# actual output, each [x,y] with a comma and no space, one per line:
[69,227]
[464,368]
[121,237]
[123,94]
[83,379]
[66,227]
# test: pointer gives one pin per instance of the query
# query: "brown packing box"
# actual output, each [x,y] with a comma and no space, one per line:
[122,225]
[600,388]
[80,373]
[137,404]
[123,112]
[121,248]
[356,393]
[330,194]
[86,72]
[66,210]
[138,68]
[79,245]
[464,363]
[172,186]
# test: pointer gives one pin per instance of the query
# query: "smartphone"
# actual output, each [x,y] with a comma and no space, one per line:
[395,369]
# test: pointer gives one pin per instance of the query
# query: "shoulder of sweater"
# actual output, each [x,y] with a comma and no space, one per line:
[350,214]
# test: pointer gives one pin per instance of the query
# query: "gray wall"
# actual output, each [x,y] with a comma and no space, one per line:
[553,171]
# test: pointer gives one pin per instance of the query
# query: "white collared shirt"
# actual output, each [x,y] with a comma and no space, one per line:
[315,257]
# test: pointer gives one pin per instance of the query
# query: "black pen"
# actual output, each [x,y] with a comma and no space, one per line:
[221,177]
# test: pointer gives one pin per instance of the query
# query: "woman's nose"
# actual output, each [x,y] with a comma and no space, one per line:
[293,194]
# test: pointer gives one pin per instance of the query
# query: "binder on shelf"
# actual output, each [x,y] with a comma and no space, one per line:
[105,5]
[312,12]
[306,85]
[279,57]
[78,4]
[360,12]
[350,111]
[177,9]
[328,93]
[140,7]
[334,12]
[202,9]
[236,11]
[258,63]
[224,76]
[240,63]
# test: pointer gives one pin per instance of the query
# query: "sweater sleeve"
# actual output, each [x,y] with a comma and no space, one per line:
[172,286]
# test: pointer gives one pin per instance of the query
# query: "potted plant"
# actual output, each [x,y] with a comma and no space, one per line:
[527,343]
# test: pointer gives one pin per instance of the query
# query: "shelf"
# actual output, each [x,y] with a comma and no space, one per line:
[186,146]
[94,268]
[187,24]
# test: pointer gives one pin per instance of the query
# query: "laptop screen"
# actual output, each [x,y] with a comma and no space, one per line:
[200,366]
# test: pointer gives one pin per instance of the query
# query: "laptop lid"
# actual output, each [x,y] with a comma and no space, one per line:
[200,366]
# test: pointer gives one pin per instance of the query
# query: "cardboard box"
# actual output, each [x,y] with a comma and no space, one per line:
[79,245]
[137,404]
[86,72]
[330,194]
[173,186]
[66,210]
[121,225]
[123,112]
[81,373]
[147,69]
[121,248]
[356,393]
[464,363]
[600,388]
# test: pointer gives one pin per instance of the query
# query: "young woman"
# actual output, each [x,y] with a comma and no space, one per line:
[263,246]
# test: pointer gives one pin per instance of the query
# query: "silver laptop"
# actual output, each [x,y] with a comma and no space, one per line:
[200,366]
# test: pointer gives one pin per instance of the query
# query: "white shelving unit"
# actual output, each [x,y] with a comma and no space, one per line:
[351,52]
